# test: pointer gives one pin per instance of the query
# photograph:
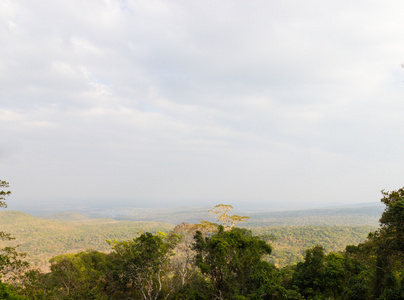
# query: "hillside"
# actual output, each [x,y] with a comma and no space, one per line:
[291,242]
[44,238]
[65,216]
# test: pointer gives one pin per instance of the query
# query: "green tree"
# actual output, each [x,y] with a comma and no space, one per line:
[320,275]
[11,261]
[231,260]
[388,248]
[309,274]
[80,276]
[391,222]
[141,265]
[7,292]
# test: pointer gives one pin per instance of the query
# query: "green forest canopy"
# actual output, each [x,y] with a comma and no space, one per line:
[211,261]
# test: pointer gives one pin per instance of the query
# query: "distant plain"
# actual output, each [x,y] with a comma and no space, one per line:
[46,235]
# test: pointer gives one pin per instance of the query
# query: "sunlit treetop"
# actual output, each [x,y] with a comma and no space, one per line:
[3,194]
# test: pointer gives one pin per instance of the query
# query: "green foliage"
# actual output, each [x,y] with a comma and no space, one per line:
[80,276]
[141,265]
[270,284]
[43,239]
[290,242]
[11,261]
[392,225]
[386,246]
[83,275]
[229,259]
[320,274]
[373,269]
[194,262]
[195,289]
[7,292]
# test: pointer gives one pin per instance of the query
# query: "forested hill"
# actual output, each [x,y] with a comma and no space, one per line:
[72,232]
[43,239]
[290,242]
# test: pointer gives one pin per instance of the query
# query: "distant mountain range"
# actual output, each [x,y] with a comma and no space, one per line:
[355,215]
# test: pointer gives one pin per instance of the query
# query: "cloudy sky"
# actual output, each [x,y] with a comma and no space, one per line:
[253,103]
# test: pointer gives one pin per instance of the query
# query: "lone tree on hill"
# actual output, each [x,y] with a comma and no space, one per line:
[228,222]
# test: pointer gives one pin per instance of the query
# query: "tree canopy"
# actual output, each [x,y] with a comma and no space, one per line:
[195,261]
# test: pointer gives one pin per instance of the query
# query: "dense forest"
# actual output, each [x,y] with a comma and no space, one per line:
[43,239]
[213,260]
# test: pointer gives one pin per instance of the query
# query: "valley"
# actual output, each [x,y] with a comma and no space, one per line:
[291,232]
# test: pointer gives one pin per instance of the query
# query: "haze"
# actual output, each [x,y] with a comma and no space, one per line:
[161,103]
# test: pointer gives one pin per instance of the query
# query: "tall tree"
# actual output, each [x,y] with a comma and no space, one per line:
[141,265]
[320,274]
[231,260]
[183,262]
[380,260]
[11,262]
[391,222]
[228,222]
[389,247]
[80,276]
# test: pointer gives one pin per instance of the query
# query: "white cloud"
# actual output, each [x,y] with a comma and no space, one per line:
[213,100]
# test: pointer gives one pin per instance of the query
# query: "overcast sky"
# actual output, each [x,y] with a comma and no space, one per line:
[251,103]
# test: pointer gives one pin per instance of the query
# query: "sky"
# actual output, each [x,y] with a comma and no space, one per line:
[266,104]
